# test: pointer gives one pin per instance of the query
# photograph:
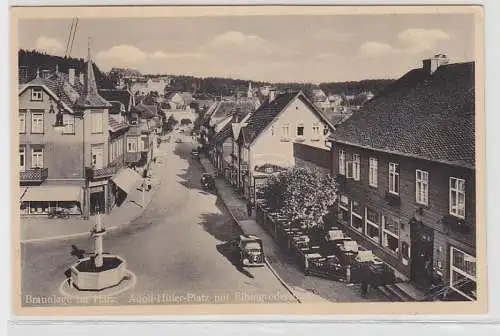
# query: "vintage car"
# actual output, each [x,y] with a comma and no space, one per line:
[178,140]
[195,154]
[207,181]
[249,251]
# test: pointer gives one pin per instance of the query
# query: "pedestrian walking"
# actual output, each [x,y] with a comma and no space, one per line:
[364,288]
[249,209]
[67,273]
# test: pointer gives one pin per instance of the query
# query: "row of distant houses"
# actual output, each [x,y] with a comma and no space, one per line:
[404,166]
[81,148]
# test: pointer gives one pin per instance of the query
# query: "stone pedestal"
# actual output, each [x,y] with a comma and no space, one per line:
[86,276]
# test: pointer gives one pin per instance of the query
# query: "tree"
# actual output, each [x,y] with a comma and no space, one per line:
[305,196]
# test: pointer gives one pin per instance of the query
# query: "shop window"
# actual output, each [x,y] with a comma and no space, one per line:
[39,208]
[463,273]
[390,233]
[372,224]
[343,214]
[356,217]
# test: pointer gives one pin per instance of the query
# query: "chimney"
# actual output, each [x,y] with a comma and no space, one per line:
[430,65]
[272,94]
[71,76]
[82,78]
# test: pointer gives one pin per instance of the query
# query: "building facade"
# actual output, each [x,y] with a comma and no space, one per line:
[266,140]
[407,182]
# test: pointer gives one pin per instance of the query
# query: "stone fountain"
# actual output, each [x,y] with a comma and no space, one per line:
[99,271]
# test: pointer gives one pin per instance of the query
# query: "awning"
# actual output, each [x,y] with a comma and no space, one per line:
[127,179]
[53,193]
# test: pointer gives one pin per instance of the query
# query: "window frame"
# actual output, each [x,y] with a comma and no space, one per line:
[132,141]
[22,121]
[315,129]
[422,196]
[342,163]
[36,91]
[300,125]
[373,172]
[394,177]
[35,159]
[34,115]
[97,125]
[101,149]
[68,120]
[22,152]
[286,127]
[456,189]
[356,167]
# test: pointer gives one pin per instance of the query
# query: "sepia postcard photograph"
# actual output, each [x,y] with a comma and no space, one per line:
[248,160]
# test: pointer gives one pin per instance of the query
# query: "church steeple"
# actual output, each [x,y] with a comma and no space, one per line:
[90,97]
[250,91]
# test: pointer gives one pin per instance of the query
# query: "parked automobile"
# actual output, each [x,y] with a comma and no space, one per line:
[178,140]
[207,181]
[249,250]
[195,154]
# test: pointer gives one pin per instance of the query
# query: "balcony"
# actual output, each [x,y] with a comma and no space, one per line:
[98,173]
[34,175]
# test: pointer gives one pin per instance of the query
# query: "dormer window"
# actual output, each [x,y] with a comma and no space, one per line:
[37,94]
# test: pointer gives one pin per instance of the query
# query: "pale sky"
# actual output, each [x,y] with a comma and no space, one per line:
[267,48]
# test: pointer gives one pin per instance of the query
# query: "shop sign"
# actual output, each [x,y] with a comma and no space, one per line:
[96,189]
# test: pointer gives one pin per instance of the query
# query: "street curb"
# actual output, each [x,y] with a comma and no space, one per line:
[283,283]
[68,236]
[83,234]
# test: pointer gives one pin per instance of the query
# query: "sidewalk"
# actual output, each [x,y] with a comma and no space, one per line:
[306,288]
[43,229]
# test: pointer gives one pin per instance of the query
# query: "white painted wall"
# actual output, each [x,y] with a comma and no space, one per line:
[272,146]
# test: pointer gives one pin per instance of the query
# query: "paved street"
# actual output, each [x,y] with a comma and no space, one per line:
[176,249]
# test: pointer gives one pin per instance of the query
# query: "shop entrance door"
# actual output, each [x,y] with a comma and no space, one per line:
[97,200]
[422,246]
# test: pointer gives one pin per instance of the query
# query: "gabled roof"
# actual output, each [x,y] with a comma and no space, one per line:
[224,133]
[115,124]
[420,115]
[146,111]
[268,111]
[56,84]
[170,95]
[116,95]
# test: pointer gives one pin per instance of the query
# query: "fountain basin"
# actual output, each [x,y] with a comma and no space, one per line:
[85,276]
